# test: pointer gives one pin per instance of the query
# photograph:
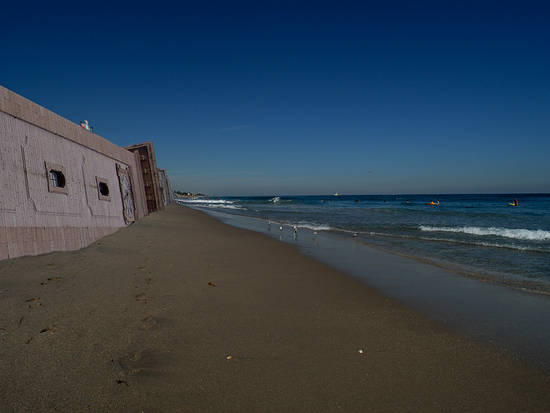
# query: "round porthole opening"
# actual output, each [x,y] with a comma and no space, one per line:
[103,189]
[57,179]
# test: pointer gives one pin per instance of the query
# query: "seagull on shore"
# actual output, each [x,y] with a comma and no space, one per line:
[281,228]
[355,234]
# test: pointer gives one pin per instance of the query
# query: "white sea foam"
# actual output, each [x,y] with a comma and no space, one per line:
[204,201]
[313,226]
[519,233]
[275,200]
[209,203]
[225,206]
[456,241]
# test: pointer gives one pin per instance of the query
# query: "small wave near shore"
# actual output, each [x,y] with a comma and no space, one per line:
[519,233]
[210,203]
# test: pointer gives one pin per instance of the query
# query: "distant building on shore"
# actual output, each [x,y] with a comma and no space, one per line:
[62,187]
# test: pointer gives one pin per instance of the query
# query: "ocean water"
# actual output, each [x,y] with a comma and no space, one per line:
[482,236]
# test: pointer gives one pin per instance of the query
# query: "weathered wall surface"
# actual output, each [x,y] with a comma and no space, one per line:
[21,108]
[35,220]
[145,153]
[166,188]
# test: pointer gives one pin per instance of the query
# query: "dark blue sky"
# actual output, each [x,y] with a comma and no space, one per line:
[320,97]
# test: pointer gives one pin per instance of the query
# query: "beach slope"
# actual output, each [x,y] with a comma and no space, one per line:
[182,313]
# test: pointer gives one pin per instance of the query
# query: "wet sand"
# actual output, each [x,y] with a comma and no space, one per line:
[511,319]
[146,319]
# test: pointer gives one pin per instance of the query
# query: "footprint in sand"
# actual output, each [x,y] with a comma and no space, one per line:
[142,298]
[145,363]
[51,279]
[153,322]
[34,302]
[148,323]
[50,328]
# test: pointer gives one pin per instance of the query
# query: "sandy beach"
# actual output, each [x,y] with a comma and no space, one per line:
[182,313]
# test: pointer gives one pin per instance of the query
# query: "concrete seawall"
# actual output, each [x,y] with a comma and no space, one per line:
[61,186]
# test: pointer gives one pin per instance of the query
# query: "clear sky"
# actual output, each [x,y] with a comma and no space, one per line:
[247,98]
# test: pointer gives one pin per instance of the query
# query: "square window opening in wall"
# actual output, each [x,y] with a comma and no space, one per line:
[103,189]
[56,177]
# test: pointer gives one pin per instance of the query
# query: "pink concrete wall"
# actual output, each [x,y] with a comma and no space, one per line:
[34,220]
[21,108]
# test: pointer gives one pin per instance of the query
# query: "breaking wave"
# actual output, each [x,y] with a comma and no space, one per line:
[463,242]
[210,203]
[225,206]
[313,227]
[519,233]
[204,201]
